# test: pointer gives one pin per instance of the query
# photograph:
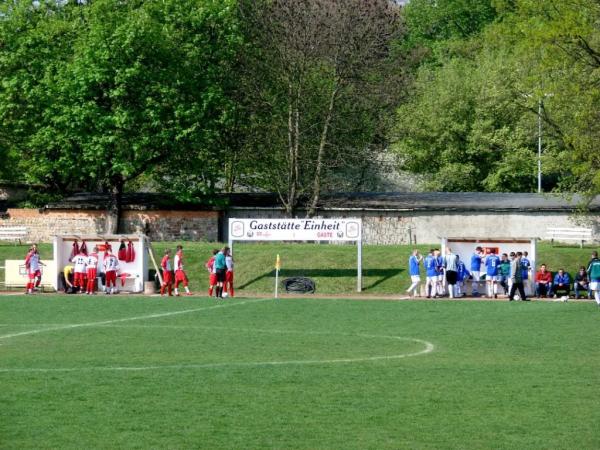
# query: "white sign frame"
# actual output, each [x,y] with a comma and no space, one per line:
[330,230]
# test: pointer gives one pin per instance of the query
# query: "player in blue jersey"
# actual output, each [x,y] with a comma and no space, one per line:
[462,275]
[439,265]
[431,273]
[414,262]
[492,265]
[476,270]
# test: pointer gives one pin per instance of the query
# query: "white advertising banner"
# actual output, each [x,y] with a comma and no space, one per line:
[295,229]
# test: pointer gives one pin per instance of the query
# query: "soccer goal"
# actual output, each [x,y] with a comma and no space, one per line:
[317,230]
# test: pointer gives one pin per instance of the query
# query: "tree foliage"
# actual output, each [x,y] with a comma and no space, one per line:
[471,120]
[97,94]
[321,79]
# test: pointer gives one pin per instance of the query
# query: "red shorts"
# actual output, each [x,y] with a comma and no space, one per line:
[229,276]
[212,279]
[111,278]
[167,277]
[92,273]
[37,273]
[180,275]
[79,279]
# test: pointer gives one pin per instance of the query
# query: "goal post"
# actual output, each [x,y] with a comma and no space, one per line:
[318,230]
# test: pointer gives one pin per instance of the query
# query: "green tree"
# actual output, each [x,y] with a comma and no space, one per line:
[127,88]
[321,76]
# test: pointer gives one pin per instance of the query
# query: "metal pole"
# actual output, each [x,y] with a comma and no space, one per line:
[540,146]
[359,274]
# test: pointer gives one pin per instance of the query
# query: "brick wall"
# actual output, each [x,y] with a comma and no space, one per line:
[160,225]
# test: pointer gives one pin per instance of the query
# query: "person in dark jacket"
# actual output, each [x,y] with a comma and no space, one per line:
[517,278]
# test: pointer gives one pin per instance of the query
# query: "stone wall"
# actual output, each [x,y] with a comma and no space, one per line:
[159,225]
[429,227]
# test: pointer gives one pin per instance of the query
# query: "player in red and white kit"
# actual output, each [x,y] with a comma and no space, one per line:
[92,271]
[111,266]
[167,274]
[80,270]
[212,273]
[180,275]
[228,285]
[34,269]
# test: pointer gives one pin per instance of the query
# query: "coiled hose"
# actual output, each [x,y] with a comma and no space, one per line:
[299,285]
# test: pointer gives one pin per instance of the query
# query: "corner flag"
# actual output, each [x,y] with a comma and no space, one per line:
[277,267]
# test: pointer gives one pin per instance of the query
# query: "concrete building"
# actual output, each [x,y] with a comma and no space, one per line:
[404,218]
[388,218]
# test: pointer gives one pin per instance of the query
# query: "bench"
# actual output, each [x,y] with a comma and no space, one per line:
[569,234]
[13,233]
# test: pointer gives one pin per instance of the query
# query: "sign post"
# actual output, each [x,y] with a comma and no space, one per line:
[331,230]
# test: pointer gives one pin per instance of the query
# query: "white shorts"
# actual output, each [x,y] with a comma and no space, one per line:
[595,285]
[476,276]
[440,278]
[415,278]
[492,277]
[432,279]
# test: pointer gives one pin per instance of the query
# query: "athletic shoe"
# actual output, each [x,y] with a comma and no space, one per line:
[188,293]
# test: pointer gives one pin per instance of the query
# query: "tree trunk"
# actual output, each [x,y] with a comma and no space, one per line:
[293,149]
[323,142]
[114,208]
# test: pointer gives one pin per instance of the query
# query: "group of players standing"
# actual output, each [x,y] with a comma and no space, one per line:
[219,266]
[450,272]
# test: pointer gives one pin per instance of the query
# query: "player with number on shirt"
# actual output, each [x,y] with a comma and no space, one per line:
[111,266]
[492,264]
[80,271]
[92,271]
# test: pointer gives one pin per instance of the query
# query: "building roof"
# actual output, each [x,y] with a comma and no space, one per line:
[392,201]
[431,201]
[130,201]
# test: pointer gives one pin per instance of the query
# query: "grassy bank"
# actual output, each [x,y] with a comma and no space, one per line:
[333,267]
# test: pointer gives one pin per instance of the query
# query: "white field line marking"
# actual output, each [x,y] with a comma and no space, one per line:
[126,319]
[429,347]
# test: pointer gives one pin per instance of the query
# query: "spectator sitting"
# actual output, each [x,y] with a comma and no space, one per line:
[543,282]
[562,283]
[582,283]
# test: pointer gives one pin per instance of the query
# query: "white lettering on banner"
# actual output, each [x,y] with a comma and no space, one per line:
[295,229]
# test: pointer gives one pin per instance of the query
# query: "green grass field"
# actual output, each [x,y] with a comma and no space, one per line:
[333,267]
[144,372]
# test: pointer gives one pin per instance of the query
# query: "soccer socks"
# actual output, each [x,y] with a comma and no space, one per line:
[597,296]
[210,291]
[413,287]
[428,288]
[451,290]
